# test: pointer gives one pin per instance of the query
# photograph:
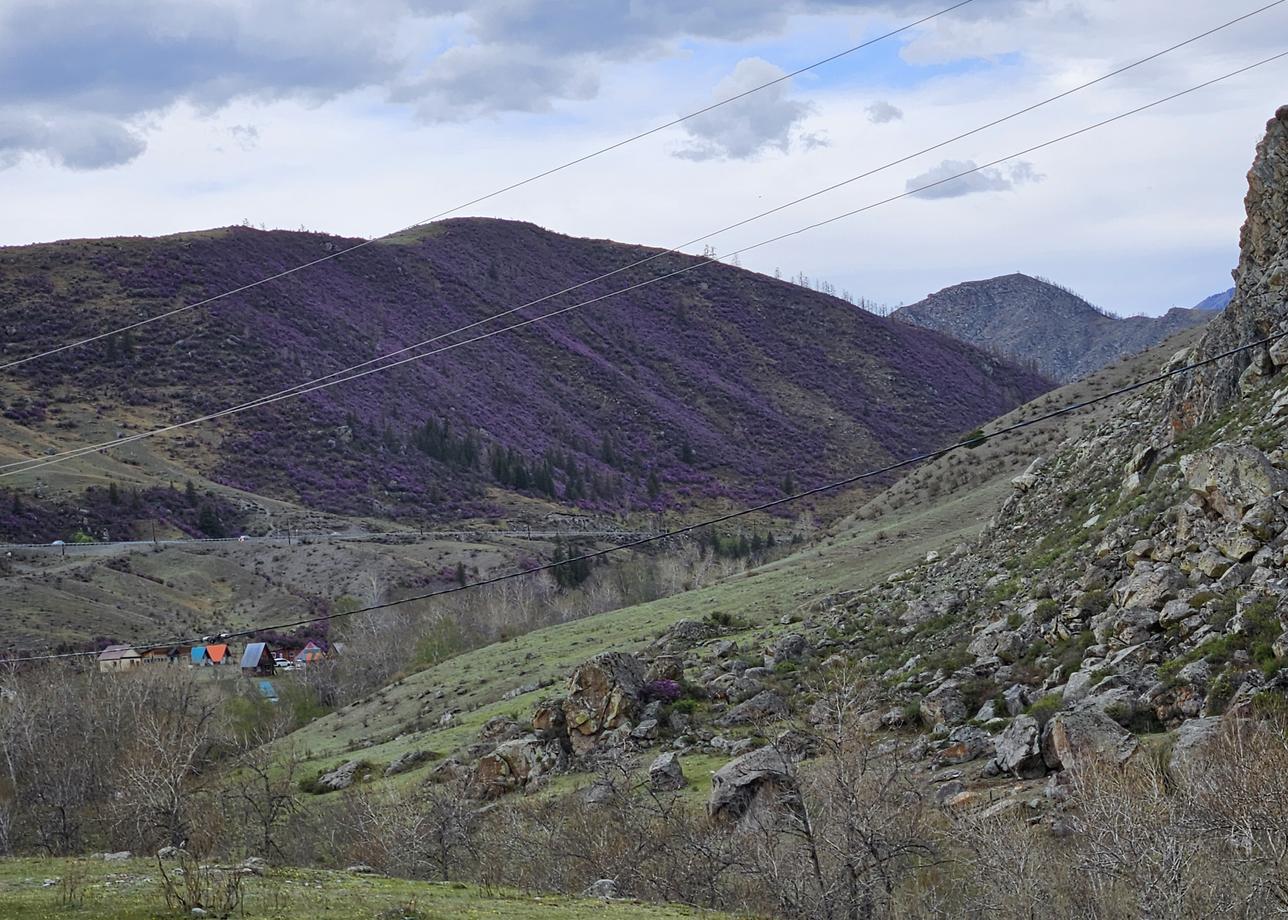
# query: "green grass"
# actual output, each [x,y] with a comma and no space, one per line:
[129,891]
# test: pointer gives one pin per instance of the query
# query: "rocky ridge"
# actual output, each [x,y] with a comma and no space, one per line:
[1034,321]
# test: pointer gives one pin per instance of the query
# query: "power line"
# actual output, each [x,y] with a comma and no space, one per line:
[490,195]
[34,463]
[741,223]
[969,442]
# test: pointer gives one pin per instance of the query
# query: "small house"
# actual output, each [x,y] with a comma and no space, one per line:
[118,658]
[209,654]
[310,654]
[163,654]
[257,659]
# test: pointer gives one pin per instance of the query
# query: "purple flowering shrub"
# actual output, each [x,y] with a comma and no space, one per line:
[704,387]
[665,691]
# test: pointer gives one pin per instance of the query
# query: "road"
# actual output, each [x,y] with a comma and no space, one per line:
[296,538]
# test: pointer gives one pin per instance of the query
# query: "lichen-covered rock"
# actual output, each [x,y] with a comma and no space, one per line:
[407,761]
[1193,739]
[1074,740]
[603,694]
[746,785]
[1231,478]
[1019,748]
[944,706]
[666,774]
[513,765]
[1149,586]
[765,706]
[342,777]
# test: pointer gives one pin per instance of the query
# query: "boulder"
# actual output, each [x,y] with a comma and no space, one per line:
[684,635]
[665,667]
[944,706]
[666,774]
[647,730]
[1193,737]
[342,777]
[792,647]
[996,641]
[1237,543]
[746,785]
[1029,478]
[965,743]
[603,694]
[1075,740]
[1231,478]
[548,718]
[407,761]
[604,888]
[1019,748]
[1149,586]
[513,765]
[765,706]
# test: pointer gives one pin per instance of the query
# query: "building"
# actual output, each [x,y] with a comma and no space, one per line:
[257,660]
[310,654]
[210,654]
[164,654]
[118,658]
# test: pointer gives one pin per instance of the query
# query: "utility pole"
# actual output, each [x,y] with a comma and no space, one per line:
[154,531]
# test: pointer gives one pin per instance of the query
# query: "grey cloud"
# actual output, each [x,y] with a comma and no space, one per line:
[77,142]
[992,179]
[881,112]
[91,68]
[467,81]
[765,121]
[127,59]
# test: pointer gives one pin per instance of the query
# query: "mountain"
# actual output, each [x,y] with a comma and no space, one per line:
[1072,630]
[1034,321]
[713,385]
[1216,302]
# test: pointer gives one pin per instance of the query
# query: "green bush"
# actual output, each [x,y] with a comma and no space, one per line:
[1045,708]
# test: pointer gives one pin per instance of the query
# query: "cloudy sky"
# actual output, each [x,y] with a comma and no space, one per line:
[155,116]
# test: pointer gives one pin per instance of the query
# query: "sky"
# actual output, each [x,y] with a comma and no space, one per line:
[129,117]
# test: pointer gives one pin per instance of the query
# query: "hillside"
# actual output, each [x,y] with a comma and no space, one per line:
[1070,644]
[703,388]
[1039,323]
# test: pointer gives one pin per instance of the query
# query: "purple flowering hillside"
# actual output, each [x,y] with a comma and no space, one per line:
[716,384]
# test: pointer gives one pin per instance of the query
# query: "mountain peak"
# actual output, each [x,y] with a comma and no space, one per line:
[1033,320]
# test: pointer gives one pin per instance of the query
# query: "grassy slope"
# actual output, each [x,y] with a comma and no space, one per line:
[888,534]
[128,891]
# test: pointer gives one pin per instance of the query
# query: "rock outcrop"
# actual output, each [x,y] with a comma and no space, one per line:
[1261,286]
[603,694]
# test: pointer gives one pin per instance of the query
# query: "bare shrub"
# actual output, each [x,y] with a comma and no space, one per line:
[191,886]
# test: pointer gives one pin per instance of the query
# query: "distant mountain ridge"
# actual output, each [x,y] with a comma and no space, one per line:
[1216,301]
[1033,321]
[705,387]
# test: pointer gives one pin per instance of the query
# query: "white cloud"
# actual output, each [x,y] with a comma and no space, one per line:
[955,178]
[767,120]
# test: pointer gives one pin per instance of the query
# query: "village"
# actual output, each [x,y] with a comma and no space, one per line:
[257,659]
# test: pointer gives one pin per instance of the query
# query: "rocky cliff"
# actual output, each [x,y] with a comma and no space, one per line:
[1261,286]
